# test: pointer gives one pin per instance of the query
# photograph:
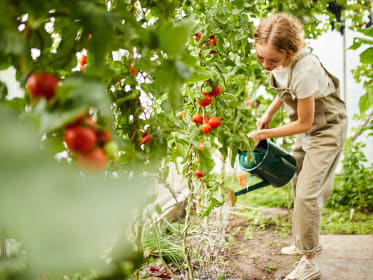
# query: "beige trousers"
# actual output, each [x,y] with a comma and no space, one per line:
[317,158]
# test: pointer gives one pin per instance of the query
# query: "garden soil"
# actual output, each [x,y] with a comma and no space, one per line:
[344,257]
[257,255]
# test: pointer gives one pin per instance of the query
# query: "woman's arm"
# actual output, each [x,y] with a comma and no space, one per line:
[264,121]
[306,109]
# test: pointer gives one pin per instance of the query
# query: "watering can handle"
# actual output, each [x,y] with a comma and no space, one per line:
[251,188]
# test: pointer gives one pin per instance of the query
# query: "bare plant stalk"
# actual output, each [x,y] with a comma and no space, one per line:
[186,227]
[187,216]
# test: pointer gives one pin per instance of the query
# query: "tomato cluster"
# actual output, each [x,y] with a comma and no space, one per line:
[207,122]
[42,85]
[85,139]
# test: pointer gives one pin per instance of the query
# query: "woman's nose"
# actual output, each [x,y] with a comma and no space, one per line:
[266,64]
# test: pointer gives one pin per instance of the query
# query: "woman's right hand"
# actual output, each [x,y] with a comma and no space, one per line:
[263,122]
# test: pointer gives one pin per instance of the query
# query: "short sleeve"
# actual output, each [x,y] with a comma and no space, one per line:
[305,77]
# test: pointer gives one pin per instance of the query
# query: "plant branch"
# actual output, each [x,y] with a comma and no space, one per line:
[361,130]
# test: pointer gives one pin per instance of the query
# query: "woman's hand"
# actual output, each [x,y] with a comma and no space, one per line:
[263,122]
[257,136]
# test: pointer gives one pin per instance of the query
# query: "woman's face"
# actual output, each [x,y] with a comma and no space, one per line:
[270,57]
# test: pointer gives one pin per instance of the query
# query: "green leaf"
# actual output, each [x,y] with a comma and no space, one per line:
[366,101]
[17,104]
[206,162]
[367,56]
[173,37]
[88,92]
[199,74]
[182,69]
[167,77]
[11,43]
[367,32]
[213,203]
[356,44]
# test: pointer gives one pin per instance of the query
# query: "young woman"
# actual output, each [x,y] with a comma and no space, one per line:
[318,118]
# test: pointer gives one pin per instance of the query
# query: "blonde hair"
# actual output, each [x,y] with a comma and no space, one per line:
[282,31]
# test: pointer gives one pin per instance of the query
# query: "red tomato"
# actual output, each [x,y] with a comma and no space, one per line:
[213,52]
[206,101]
[145,133]
[42,85]
[200,146]
[216,91]
[103,137]
[146,139]
[248,103]
[206,128]
[214,122]
[206,119]
[197,36]
[132,69]
[79,138]
[83,59]
[93,160]
[197,118]
[212,40]
[199,173]
[180,115]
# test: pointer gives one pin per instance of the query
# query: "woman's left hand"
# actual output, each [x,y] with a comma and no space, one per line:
[256,135]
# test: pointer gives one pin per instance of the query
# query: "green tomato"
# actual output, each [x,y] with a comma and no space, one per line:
[111,149]
[207,89]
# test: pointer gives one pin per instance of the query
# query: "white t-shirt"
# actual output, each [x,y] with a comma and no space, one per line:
[308,78]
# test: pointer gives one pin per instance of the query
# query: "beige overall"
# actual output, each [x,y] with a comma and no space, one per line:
[317,152]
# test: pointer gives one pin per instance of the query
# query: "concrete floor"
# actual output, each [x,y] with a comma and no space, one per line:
[346,257]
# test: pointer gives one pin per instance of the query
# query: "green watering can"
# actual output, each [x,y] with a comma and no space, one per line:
[272,165]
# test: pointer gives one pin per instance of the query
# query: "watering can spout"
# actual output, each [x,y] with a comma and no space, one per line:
[249,188]
[271,164]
